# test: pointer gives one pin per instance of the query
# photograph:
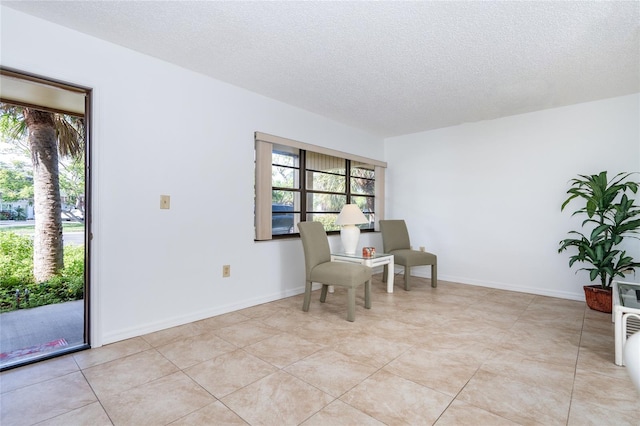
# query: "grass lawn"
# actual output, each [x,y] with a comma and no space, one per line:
[28,229]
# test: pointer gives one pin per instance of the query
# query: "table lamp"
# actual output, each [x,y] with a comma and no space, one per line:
[349,217]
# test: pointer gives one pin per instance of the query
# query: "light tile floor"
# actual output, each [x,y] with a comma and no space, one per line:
[455,355]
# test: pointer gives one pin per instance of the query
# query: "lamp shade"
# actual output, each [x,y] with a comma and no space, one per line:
[351,215]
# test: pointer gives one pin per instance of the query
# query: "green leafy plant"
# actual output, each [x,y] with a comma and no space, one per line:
[16,259]
[611,216]
[18,289]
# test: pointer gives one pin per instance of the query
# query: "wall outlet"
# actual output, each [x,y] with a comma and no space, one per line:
[226,271]
[421,248]
[165,202]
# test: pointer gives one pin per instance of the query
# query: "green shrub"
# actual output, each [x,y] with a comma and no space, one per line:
[17,285]
[73,261]
[16,259]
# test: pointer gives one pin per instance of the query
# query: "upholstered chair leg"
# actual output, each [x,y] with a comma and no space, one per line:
[367,294]
[351,304]
[307,296]
[434,275]
[323,293]
[385,268]
[407,276]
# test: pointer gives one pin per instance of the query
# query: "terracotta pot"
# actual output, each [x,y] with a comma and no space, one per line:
[598,298]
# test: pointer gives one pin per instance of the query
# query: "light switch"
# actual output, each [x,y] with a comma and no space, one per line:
[165,202]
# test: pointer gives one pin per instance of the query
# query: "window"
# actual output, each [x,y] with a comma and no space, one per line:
[301,182]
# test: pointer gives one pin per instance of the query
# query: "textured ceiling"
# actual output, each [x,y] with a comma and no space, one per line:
[390,68]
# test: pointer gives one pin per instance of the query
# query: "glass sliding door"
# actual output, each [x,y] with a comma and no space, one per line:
[45,213]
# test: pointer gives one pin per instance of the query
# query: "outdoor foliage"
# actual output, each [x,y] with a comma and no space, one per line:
[326,186]
[15,184]
[72,179]
[16,260]
[49,136]
[18,289]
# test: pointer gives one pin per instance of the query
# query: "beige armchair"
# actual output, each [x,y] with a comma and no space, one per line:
[395,241]
[320,269]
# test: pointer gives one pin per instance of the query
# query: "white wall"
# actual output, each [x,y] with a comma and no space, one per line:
[160,129]
[485,197]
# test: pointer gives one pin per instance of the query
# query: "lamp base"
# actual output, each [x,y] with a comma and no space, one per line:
[350,234]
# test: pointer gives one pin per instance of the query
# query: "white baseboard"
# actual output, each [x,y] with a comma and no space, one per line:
[152,327]
[502,286]
[219,310]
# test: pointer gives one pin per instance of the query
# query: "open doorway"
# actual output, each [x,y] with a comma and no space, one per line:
[45,218]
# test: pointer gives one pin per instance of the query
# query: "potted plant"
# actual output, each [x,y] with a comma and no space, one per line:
[611,216]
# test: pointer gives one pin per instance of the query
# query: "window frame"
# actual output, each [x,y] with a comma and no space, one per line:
[264,147]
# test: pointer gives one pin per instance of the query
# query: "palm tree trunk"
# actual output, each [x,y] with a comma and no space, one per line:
[47,243]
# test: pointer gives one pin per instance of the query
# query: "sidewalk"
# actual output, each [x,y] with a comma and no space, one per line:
[31,333]
[28,332]
[13,223]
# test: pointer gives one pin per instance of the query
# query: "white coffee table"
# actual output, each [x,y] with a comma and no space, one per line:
[378,259]
[626,314]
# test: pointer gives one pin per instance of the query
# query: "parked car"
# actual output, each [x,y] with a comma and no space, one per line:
[72,215]
[282,219]
[8,215]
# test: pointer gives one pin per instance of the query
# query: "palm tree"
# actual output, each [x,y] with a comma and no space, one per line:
[48,134]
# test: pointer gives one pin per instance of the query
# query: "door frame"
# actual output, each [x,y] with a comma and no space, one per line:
[88,201]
